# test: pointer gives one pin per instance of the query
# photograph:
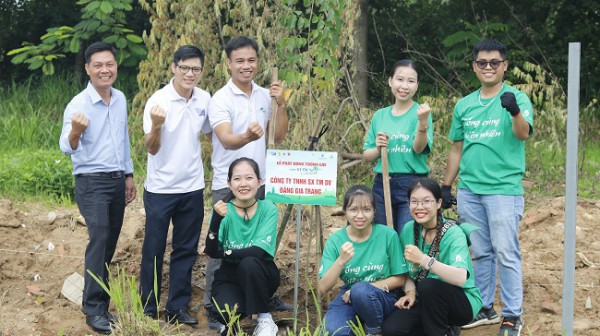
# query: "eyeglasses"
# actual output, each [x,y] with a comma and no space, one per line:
[425,203]
[493,63]
[353,211]
[185,69]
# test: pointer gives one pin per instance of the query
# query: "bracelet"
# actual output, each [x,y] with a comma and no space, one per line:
[129,175]
[430,263]
[423,130]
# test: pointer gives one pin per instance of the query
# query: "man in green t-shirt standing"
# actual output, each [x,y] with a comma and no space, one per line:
[489,129]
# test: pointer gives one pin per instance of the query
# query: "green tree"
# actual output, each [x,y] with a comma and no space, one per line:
[100,20]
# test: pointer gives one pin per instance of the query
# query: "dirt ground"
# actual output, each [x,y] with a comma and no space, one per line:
[32,272]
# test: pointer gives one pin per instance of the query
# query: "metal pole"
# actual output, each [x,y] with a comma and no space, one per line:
[298,222]
[571,188]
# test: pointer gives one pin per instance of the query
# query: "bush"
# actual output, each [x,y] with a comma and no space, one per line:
[37,172]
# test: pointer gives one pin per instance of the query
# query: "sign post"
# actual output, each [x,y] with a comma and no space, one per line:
[301,177]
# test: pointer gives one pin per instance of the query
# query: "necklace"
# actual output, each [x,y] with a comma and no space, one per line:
[246,216]
[491,101]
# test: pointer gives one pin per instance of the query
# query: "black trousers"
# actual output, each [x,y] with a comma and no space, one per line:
[439,306]
[249,285]
[187,212]
[101,201]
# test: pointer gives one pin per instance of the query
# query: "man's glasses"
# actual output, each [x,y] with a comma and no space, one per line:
[493,63]
[185,69]
[426,203]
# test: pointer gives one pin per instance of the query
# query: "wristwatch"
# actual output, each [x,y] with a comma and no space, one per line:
[430,263]
[129,175]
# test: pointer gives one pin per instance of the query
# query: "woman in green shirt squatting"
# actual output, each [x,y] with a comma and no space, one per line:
[245,240]
[439,263]
[406,130]
[368,259]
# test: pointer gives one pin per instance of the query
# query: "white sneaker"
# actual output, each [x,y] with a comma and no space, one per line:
[265,327]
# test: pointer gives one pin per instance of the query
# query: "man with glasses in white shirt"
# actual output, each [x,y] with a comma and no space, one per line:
[174,118]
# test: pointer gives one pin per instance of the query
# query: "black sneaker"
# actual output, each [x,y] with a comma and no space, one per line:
[485,316]
[213,323]
[275,304]
[511,326]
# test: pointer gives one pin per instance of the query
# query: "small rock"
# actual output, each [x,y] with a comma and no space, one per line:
[51,217]
[595,246]
[60,250]
[72,288]
[80,220]
[50,246]
[36,277]
[550,307]
[34,290]
[588,303]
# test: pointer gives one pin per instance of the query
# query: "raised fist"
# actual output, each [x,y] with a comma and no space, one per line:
[79,123]
[254,131]
[157,115]
[509,102]
[423,114]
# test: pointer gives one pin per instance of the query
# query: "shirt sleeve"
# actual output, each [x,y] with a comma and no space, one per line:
[457,132]
[397,263]
[218,111]
[371,133]
[454,250]
[526,109]
[330,254]
[147,121]
[65,145]
[127,157]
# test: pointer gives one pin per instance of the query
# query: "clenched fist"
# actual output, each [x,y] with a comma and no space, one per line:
[347,253]
[220,208]
[254,131]
[423,114]
[413,254]
[79,123]
[157,115]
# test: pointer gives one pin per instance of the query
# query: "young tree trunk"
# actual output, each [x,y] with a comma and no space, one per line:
[361,76]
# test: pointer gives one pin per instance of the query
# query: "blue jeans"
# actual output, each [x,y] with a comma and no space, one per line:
[369,303]
[399,184]
[495,246]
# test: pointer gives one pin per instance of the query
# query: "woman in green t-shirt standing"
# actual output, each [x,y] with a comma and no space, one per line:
[368,259]
[245,240]
[406,130]
[439,263]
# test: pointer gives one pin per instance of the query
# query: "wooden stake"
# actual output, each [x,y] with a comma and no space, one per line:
[274,108]
[386,187]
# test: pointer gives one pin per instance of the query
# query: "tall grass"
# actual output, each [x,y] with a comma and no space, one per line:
[31,115]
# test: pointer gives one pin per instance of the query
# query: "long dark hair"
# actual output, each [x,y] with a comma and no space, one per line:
[432,186]
[403,63]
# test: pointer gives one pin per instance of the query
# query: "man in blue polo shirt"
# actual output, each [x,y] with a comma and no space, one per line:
[95,135]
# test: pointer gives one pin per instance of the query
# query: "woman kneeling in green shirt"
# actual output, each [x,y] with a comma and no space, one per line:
[439,263]
[245,239]
[368,259]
